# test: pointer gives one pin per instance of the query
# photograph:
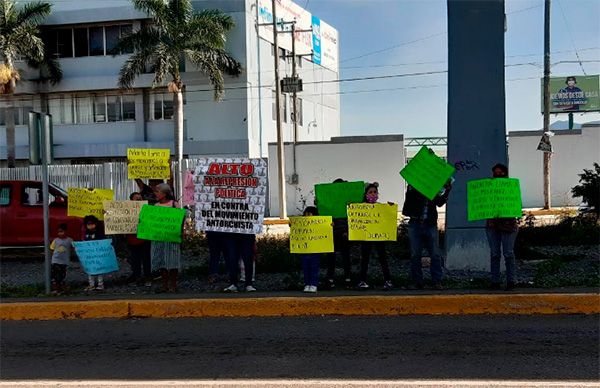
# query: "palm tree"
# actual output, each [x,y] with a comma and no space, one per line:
[20,38]
[178,32]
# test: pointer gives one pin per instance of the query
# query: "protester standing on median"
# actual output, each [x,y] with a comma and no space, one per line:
[423,232]
[94,231]
[239,246]
[139,251]
[310,261]
[61,247]
[166,256]
[372,196]
[501,235]
[341,245]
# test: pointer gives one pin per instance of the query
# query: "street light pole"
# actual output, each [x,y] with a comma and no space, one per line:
[280,151]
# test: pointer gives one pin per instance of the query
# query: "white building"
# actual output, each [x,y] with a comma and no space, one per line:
[94,120]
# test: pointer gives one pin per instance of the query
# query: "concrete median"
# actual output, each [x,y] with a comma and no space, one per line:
[466,304]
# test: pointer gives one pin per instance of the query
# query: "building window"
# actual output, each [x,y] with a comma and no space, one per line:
[64,43]
[74,109]
[161,104]
[96,35]
[86,41]
[81,42]
[21,109]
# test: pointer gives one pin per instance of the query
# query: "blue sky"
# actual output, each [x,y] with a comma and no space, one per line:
[417,105]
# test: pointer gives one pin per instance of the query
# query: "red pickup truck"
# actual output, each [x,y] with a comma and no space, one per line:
[22,214]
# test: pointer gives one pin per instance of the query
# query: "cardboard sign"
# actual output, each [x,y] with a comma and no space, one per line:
[148,163]
[121,217]
[96,257]
[427,173]
[311,234]
[84,202]
[372,222]
[230,195]
[493,198]
[159,223]
[332,198]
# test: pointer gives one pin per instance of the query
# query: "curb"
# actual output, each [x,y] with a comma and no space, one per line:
[469,304]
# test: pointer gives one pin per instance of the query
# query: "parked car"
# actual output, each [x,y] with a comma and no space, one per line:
[21,213]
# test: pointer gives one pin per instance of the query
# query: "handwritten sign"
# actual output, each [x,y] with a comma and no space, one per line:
[158,223]
[493,198]
[332,198]
[230,194]
[97,257]
[148,163]
[427,173]
[372,222]
[311,234]
[121,217]
[84,202]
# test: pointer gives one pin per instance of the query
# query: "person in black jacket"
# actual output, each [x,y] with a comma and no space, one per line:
[423,232]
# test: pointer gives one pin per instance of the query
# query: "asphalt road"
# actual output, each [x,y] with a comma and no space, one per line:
[357,348]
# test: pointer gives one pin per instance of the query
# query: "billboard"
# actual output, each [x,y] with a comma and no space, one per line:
[573,94]
[322,41]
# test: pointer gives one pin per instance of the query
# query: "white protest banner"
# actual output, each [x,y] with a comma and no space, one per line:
[230,194]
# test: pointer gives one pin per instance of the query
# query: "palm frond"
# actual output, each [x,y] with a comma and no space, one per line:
[162,64]
[134,66]
[139,40]
[213,63]
[33,13]
[180,11]
[156,9]
[27,43]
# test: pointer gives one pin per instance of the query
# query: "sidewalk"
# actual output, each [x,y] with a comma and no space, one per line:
[273,304]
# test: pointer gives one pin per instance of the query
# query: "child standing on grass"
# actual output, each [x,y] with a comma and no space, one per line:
[61,248]
[93,231]
[310,261]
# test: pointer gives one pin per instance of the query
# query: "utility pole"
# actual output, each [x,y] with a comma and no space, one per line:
[280,157]
[547,154]
[294,104]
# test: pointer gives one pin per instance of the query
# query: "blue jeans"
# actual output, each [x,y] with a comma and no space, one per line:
[239,246]
[310,267]
[506,241]
[424,236]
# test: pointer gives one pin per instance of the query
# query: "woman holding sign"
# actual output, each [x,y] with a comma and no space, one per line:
[166,256]
[371,196]
[501,234]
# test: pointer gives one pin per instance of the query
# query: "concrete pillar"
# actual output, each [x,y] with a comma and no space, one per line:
[140,116]
[476,119]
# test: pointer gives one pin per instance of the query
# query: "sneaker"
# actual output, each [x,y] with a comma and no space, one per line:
[100,287]
[312,289]
[348,282]
[307,288]
[363,285]
[148,284]
[250,289]
[330,284]
[388,285]
[231,288]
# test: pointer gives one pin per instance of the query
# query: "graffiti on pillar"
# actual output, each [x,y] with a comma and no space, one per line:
[466,165]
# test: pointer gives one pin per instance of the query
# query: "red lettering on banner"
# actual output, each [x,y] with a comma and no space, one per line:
[246,169]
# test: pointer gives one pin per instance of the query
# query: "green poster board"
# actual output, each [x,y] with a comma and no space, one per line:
[332,198]
[493,198]
[427,173]
[159,223]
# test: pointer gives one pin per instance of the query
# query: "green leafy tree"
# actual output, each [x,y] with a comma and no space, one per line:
[177,32]
[20,38]
[589,188]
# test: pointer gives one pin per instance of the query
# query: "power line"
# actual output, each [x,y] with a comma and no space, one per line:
[570,35]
